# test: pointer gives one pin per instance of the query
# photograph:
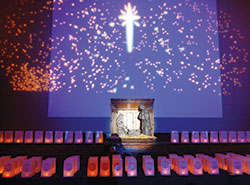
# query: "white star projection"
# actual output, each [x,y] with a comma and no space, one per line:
[175,48]
[24,52]
[130,18]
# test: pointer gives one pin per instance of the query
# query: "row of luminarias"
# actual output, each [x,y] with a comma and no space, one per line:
[77,136]
[235,164]
[212,137]
[58,137]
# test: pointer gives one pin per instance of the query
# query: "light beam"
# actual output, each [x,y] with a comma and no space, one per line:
[129,17]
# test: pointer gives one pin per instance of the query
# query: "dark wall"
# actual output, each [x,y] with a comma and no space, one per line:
[21,108]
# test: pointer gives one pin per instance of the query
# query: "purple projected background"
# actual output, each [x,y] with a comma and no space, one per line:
[174,58]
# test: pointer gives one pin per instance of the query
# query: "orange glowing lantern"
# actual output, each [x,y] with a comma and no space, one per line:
[174,137]
[99,137]
[148,165]
[241,136]
[71,166]
[78,137]
[46,170]
[117,168]
[38,137]
[163,165]
[131,166]
[197,167]
[28,138]
[58,137]
[18,137]
[89,137]
[181,168]
[68,168]
[9,168]
[223,136]
[8,136]
[195,137]
[104,166]
[235,166]
[212,166]
[92,166]
[48,167]
[232,137]
[204,137]
[2,160]
[48,137]
[185,137]
[28,168]
[68,137]
[213,137]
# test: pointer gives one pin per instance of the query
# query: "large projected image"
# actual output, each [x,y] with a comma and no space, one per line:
[166,50]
